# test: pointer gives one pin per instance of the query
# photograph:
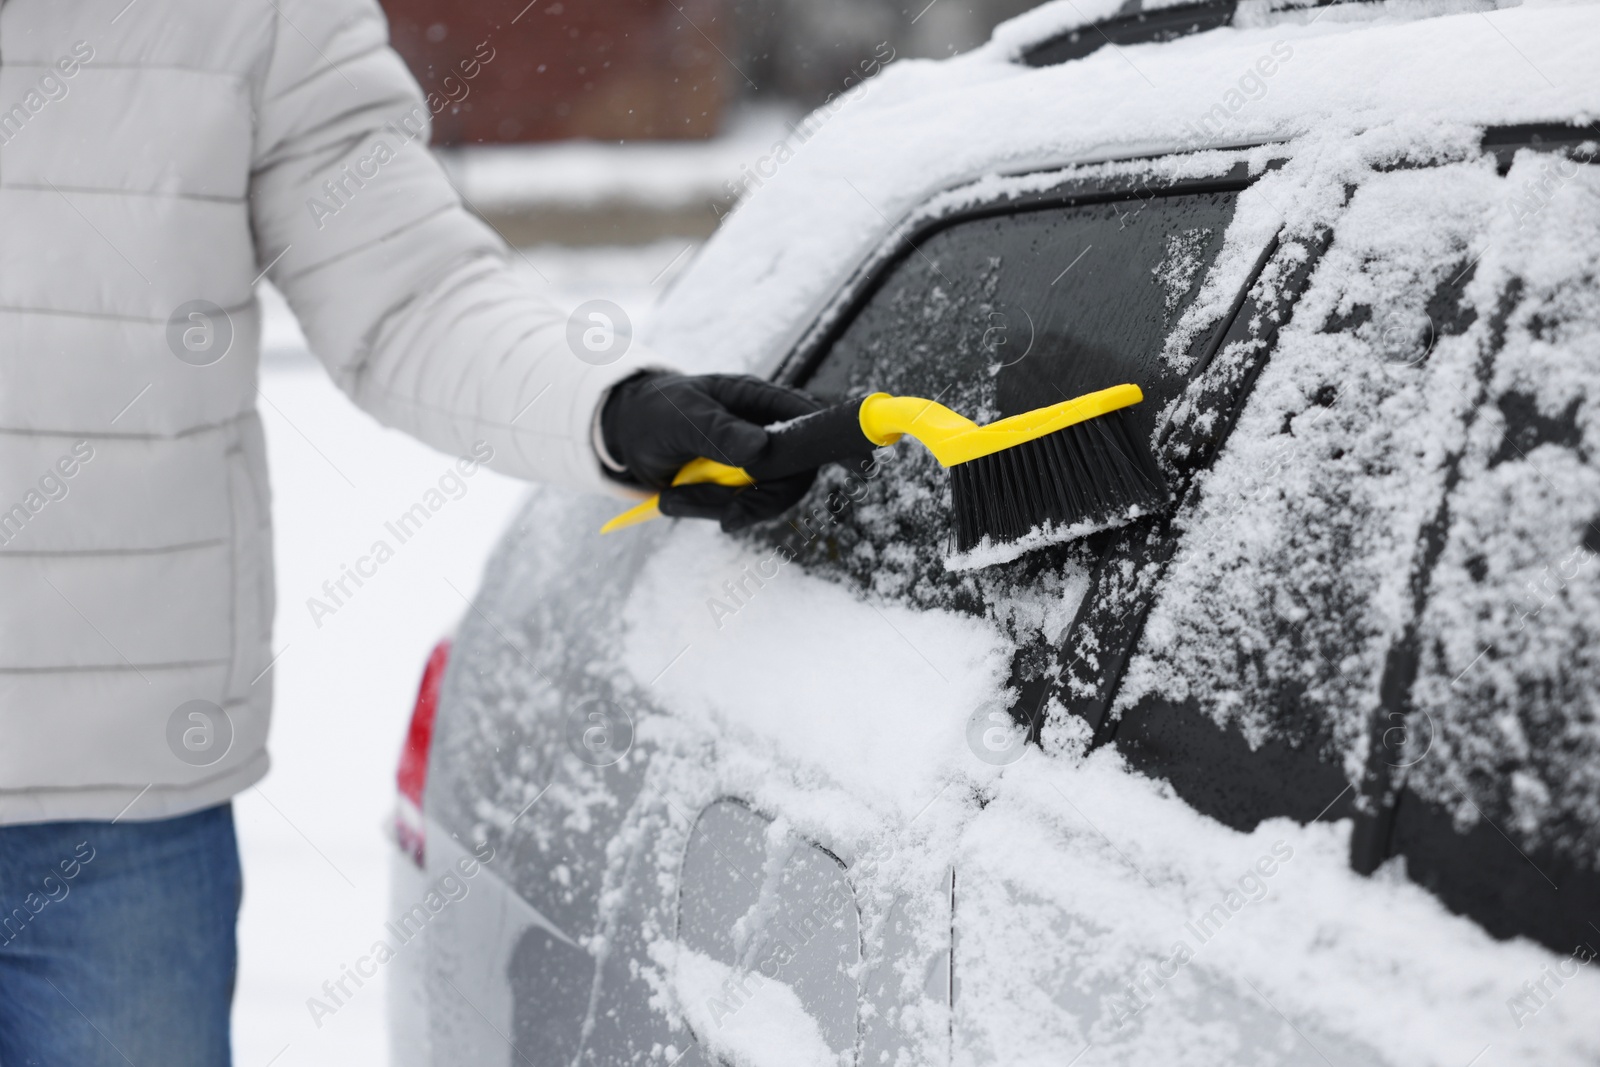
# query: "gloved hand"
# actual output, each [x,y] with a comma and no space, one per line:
[654,423]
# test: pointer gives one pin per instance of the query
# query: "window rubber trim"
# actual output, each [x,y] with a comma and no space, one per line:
[1139,27]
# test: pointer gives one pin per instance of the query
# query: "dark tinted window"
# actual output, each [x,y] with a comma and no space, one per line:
[1019,311]
[993,316]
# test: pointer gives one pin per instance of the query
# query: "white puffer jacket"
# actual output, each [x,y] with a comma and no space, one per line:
[156,157]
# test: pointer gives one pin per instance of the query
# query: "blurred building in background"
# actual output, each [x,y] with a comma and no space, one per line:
[654,69]
[803,50]
[607,70]
[583,122]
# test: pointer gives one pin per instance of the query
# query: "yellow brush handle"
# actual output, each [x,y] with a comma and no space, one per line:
[695,472]
[951,437]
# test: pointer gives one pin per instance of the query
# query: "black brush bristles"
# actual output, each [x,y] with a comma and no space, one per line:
[1089,476]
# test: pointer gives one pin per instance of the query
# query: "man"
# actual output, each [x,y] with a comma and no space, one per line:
[157,157]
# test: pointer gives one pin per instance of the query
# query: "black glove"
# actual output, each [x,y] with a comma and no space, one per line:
[654,423]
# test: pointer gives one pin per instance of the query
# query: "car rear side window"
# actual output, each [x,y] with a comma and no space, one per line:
[1013,312]
[996,315]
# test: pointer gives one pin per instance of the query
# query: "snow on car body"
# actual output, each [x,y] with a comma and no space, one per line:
[1310,772]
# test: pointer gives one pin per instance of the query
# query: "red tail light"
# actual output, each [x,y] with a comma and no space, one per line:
[413,774]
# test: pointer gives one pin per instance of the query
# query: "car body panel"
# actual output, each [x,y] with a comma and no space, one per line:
[648,729]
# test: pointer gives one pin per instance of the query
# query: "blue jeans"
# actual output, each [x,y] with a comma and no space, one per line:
[117,942]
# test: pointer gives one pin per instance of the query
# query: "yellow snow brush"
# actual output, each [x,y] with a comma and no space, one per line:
[1067,469]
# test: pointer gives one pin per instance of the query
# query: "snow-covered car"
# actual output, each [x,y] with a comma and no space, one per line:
[1305,770]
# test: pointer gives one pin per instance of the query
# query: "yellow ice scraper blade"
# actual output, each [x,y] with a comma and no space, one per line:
[694,472]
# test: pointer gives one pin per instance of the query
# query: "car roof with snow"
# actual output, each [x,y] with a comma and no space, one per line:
[1415,80]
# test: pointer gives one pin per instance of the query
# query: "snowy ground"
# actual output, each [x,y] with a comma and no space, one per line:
[313,834]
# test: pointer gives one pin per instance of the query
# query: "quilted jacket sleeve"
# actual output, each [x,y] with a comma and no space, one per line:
[410,302]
